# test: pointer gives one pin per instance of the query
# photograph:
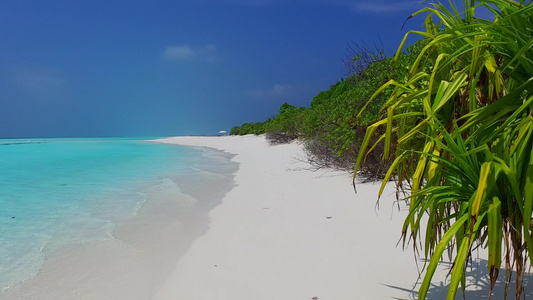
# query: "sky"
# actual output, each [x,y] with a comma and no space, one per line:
[89,68]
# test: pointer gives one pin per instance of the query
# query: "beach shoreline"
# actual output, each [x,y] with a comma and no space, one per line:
[131,260]
[276,229]
[288,232]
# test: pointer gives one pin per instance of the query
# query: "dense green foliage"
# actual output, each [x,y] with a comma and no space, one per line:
[249,128]
[464,129]
[454,116]
[289,120]
[331,120]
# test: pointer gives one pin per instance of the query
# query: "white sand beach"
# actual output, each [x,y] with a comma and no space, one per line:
[284,231]
[287,232]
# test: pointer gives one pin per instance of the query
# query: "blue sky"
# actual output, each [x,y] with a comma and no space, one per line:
[144,68]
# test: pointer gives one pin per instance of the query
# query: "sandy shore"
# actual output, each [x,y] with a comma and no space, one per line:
[286,232]
[283,231]
[131,260]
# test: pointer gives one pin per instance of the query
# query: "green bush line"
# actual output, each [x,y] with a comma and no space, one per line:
[454,117]
[331,118]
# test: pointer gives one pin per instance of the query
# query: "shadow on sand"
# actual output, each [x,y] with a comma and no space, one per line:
[477,285]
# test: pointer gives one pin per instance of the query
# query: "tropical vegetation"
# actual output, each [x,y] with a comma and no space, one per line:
[452,117]
[463,122]
[330,125]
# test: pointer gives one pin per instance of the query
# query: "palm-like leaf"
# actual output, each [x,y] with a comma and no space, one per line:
[464,125]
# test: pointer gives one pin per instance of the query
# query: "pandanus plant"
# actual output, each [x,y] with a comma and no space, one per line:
[463,125]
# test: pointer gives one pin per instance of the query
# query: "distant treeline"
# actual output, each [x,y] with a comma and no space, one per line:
[330,126]
[459,120]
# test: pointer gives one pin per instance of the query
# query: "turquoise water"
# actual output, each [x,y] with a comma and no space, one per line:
[58,192]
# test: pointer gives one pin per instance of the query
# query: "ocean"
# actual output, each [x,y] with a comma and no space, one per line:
[61,193]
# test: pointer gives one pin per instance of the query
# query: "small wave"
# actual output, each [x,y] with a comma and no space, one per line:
[142,199]
[20,143]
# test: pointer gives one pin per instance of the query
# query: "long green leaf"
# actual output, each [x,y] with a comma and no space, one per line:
[439,250]
[458,267]
[494,243]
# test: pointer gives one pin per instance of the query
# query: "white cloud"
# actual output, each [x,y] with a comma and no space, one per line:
[386,6]
[179,53]
[280,91]
[183,53]
[372,6]
[246,3]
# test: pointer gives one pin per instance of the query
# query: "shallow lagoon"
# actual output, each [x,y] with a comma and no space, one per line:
[57,194]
